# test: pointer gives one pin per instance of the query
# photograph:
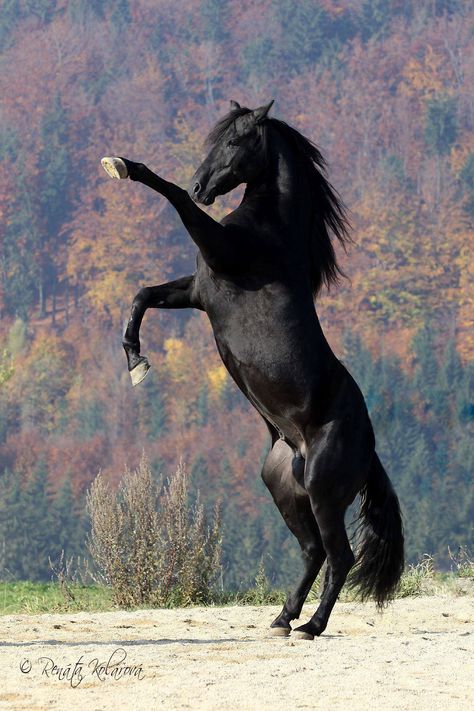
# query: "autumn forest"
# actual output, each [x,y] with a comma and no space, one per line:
[385,88]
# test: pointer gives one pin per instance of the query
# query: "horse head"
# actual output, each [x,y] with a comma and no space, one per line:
[237,154]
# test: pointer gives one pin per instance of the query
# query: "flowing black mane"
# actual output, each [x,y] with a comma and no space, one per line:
[329,210]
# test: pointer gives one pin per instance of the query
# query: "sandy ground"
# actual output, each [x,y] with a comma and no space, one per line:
[419,654]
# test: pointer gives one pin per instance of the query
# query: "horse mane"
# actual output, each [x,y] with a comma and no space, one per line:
[329,211]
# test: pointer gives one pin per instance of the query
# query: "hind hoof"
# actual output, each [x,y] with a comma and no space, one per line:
[279,631]
[115,167]
[308,631]
[140,371]
[302,635]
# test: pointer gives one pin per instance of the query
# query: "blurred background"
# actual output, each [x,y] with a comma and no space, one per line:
[385,89]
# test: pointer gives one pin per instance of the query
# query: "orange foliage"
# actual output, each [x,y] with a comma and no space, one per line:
[154,100]
[115,246]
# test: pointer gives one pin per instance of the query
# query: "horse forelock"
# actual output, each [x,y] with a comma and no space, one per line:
[222,126]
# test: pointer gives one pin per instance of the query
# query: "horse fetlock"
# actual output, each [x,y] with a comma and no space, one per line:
[280,626]
[132,351]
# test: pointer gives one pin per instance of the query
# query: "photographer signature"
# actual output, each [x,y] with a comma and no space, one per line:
[115,667]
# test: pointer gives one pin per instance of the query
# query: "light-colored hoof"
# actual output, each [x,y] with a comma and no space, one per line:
[302,635]
[140,371]
[279,631]
[115,167]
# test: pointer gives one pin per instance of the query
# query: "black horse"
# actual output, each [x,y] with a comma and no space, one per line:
[257,274]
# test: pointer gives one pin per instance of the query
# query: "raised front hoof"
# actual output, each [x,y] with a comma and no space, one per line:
[140,371]
[115,167]
[279,631]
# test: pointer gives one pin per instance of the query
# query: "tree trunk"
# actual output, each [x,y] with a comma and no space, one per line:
[41,299]
[53,308]
[67,301]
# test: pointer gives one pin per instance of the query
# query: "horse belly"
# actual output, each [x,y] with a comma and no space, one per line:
[275,381]
[274,350]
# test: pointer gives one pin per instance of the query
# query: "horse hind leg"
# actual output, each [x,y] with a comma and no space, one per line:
[329,510]
[282,473]
[340,561]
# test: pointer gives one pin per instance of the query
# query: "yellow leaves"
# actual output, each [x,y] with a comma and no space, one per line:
[114,246]
[186,149]
[184,361]
[466,301]
[427,77]
[178,356]
[401,253]
[411,259]
[6,367]
[217,379]
[41,379]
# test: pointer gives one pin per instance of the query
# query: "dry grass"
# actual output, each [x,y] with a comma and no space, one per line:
[462,562]
[419,579]
[148,544]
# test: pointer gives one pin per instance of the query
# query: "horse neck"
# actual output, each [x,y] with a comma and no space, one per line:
[284,186]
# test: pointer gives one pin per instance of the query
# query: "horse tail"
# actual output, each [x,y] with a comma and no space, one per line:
[380,557]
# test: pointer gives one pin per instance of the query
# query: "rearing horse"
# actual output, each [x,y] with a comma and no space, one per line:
[258,271]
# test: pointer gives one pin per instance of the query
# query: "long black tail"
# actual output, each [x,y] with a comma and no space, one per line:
[380,558]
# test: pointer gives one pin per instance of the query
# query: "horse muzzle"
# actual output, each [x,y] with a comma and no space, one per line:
[205,197]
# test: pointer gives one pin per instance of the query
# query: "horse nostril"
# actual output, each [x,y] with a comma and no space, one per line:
[197,188]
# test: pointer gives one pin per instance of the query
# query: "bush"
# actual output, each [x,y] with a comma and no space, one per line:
[414,580]
[463,562]
[261,593]
[148,544]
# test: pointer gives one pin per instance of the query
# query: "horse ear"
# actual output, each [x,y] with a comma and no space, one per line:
[234,105]
[261,113]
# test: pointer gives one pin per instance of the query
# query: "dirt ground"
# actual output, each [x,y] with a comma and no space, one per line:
[418,654]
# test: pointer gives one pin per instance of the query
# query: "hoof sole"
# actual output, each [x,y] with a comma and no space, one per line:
[279,631]
[302,635]
[139,372]
[115,167]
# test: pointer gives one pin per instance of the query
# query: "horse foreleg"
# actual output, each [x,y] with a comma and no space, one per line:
[222,246]
[178,294]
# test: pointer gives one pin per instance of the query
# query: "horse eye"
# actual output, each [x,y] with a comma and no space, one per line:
[233,142]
